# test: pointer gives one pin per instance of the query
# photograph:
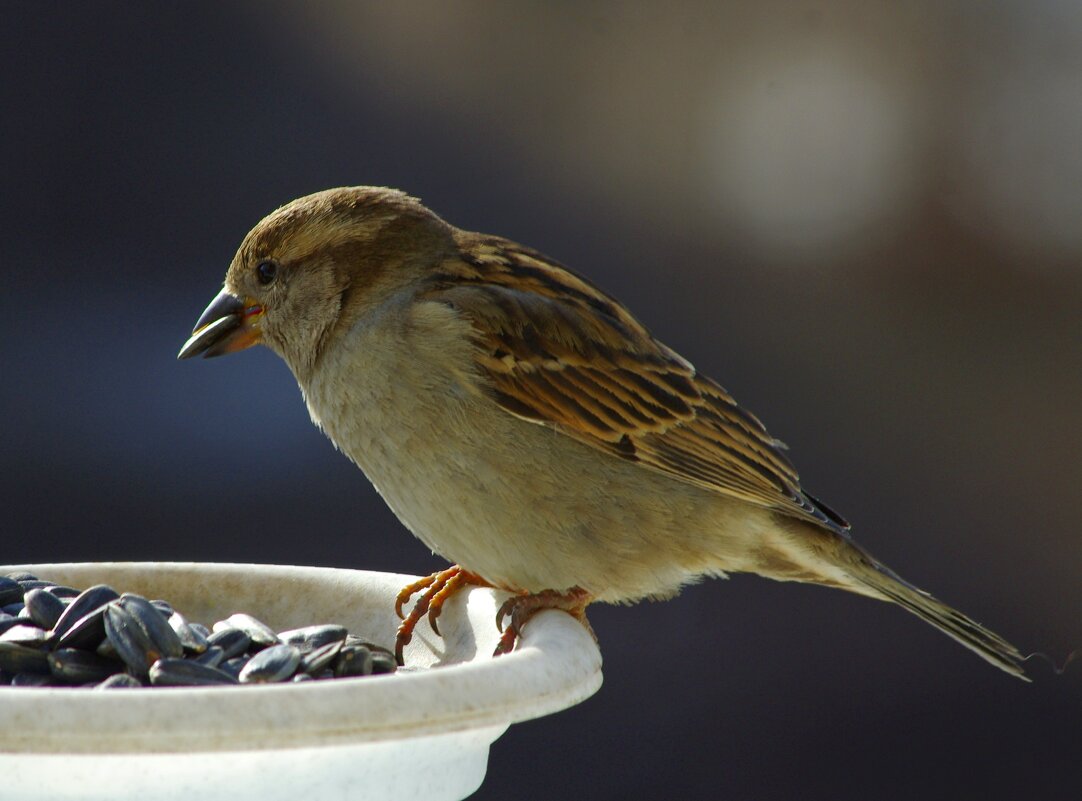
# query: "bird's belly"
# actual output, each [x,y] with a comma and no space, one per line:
[520,504]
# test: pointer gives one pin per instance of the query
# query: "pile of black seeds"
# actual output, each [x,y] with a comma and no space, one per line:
[56,636]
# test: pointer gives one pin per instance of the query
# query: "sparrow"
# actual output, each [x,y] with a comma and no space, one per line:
[524,425]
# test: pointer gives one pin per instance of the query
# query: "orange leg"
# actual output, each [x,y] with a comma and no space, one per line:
[522,607]
[437,589]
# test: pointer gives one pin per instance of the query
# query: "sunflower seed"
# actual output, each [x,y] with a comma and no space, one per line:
[154,624]
[310,638]
[11,591]
[10,621]
[383,663]
[321,658]
[96,635]
[34,680]
[192,640]
[43,607]
[106,647]
[62,592]
[15,658]
[260,632]
[119,681]
[276,663]
[129,639]
[71,664]
[186,673]
[353,639]
[233,642]
[25,634]
[34,584]
[234,666]
[353,660]
[80,625]
[212,657]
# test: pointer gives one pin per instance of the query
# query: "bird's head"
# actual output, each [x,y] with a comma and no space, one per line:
[315,265]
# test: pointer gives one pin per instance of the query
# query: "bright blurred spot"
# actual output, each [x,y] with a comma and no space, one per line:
[808,154]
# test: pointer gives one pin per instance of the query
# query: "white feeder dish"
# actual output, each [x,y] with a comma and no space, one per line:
[423,732]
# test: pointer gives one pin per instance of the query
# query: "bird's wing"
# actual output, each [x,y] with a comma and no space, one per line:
[559,352]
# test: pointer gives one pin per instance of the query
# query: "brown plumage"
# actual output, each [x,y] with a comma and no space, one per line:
[558,351]
[525,425]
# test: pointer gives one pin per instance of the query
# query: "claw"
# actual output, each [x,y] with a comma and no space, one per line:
[506,608]
[506,644]
[406,592]
[440,596]
[522,607]
[437,588]
[401,640]
[405,629]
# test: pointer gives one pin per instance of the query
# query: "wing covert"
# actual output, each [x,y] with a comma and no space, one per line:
[559,352]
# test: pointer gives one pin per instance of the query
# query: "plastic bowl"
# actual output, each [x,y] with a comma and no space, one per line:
[424,732]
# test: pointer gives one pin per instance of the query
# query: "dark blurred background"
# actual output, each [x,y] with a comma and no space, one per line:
[863,218]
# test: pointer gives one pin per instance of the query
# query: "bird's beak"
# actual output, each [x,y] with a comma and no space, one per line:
[229,324]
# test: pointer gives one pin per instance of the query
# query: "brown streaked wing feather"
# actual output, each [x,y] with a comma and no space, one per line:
[559,352]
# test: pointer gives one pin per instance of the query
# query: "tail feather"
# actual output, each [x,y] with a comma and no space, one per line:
[986,644]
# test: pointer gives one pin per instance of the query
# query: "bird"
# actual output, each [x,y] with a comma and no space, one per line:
[524,425]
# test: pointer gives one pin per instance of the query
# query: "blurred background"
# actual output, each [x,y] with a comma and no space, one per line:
[863,218]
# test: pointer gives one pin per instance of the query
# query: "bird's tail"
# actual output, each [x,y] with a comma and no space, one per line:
[887,585]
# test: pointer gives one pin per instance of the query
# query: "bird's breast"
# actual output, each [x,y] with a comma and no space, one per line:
[398,395]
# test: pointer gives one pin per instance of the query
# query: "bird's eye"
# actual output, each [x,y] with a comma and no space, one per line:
[267,272]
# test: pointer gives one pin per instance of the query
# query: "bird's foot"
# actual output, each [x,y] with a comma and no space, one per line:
[521,608]
[435,590]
